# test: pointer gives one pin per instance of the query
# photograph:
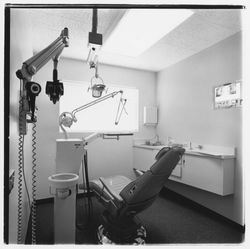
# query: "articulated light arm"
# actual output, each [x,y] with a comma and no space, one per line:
[66,119]
[110,95]
[36,62]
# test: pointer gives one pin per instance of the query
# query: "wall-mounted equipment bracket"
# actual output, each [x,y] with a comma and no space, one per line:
[28,89]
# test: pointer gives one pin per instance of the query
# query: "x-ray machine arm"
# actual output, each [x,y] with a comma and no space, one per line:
[29,90]
[36,62]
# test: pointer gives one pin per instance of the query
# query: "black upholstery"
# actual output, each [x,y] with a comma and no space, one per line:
[123,198]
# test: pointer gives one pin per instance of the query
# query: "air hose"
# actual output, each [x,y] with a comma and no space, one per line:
[33,207]
[21,176]
[20,190]
[20,183]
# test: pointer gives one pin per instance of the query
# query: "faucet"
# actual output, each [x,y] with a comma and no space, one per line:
[157,140]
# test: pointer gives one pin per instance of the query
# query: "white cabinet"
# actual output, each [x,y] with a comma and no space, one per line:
[211,174]
[208,173]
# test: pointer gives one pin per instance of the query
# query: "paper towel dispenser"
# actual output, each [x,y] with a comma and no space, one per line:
[150,115]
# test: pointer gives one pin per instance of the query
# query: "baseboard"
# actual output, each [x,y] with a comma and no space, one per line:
[170,194]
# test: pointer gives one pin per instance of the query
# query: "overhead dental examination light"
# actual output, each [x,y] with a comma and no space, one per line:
[96,87]
[66,119]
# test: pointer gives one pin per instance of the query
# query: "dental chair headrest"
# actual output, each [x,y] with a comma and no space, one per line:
[162,152]
[166,159]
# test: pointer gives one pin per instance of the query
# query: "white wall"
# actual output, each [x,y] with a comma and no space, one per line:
[20,50]
[185,100]
[105,157]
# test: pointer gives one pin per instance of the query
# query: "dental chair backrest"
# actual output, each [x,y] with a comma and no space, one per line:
[141,193]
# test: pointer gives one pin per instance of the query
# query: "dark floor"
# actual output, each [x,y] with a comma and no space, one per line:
[166,221]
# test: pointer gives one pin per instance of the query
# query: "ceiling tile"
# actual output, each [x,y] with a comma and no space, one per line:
[230,19]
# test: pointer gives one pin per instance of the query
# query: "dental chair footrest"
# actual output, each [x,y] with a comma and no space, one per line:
[110,187]
[126,231]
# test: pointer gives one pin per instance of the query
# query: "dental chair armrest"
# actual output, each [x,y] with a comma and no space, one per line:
[116,196]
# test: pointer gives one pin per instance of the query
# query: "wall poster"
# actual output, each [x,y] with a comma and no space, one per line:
[228,95]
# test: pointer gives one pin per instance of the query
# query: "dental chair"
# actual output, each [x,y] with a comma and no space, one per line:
[124,198]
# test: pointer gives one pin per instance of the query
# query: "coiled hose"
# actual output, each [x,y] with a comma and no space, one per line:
[20,169]
[20,190]
[21,174]
[33,207]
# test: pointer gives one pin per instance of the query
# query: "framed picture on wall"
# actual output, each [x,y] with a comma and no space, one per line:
[228,95]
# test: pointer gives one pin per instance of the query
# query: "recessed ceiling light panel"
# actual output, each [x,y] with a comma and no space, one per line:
[139,29]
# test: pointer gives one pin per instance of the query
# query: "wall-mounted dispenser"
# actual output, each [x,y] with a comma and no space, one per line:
[150,115]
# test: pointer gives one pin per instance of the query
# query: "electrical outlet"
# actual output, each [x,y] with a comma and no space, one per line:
[11,179]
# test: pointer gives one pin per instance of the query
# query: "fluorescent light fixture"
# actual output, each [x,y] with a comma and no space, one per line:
[139,29]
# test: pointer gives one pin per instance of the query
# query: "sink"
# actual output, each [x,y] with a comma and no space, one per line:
[63,180]
[176,145]
[150,146]
[154,144]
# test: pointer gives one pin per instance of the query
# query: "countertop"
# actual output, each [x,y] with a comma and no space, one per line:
[208,151]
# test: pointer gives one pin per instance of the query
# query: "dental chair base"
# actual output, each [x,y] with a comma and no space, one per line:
[128,230]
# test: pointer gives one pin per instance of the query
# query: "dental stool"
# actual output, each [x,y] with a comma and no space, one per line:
[124,198]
